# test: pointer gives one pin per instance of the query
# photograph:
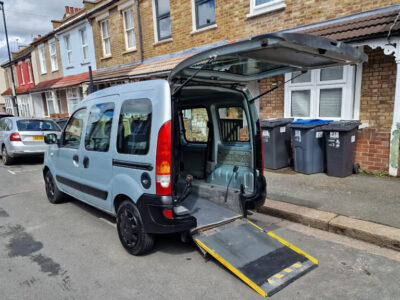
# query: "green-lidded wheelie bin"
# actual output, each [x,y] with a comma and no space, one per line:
[308,145]
[341,140]
[276,142]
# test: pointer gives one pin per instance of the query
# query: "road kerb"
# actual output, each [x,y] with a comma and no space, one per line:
[381,235]
[300,214]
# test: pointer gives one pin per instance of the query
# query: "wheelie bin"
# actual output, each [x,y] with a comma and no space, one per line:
[341,139]
[308,145]
[276,142]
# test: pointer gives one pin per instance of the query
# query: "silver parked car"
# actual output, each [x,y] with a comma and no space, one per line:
[24,137]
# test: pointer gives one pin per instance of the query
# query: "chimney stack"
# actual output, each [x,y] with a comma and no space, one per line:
[67,10]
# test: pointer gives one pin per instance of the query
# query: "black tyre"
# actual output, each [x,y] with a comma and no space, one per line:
[53,193]
[356,168]
[7,159]
[130,230]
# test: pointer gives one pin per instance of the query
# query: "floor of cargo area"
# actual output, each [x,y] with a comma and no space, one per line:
[208,213]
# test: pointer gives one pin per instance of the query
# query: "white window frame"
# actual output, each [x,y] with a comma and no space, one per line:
[22,72]
[23,106]
[103,38]
[83,32]
[126,30]
[53,63]
[348,85]
[68,50]
[50,97]
[155,24]
[9,105]
[194,19]
[271,6]
[42,59]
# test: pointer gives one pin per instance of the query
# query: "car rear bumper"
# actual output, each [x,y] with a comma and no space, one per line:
[151,210]
[16,149]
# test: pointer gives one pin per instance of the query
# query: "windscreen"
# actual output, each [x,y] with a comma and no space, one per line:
[37,125]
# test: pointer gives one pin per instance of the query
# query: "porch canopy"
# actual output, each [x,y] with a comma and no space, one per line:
[20,90]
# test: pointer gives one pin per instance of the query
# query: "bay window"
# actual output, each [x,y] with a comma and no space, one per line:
[325,93]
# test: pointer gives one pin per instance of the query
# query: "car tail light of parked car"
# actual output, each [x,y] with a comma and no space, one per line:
[163,160]
[15,137]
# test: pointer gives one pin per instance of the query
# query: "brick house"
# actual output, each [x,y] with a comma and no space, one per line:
[140,40]
[21,66]
[170,31]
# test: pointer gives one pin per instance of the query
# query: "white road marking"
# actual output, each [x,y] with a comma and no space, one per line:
[11,172]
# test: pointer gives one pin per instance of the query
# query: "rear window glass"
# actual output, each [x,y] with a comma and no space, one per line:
[134,127]
[233,124]
[37,125]
[195,122]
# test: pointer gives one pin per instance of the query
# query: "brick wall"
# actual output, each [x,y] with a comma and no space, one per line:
[232,22]
[119,54]
[272,104]
[49,74]
[376,109]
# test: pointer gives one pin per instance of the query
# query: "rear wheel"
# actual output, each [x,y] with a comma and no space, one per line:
[7,159]
[53,193]
[130,229]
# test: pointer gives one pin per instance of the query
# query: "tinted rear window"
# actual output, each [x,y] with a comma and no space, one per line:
[37,125]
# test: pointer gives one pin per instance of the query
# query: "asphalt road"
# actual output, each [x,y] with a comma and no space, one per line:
[72,251]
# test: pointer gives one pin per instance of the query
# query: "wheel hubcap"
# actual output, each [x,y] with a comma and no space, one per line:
[128,227]
[3,156]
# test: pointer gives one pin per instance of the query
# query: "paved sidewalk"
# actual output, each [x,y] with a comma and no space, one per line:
[362,197]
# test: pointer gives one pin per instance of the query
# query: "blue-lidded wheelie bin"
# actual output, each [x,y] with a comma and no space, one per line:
[308,145]
[341,139]
[276,142]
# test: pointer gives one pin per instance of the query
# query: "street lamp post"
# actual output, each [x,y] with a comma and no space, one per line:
[14,96]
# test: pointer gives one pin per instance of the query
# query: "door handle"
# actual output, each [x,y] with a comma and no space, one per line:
[86,162]
[75,158]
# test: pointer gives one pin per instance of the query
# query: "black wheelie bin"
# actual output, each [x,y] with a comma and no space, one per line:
[341,139]
[276,142]
[308,145]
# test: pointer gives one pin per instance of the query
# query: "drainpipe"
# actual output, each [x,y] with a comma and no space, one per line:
[395,132]
[140,31]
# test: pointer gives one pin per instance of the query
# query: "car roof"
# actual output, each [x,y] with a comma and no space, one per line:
[128,87]
[26,118]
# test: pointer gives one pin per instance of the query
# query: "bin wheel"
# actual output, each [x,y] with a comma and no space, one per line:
[356,168]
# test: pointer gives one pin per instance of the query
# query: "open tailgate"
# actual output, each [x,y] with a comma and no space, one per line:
[267,55]
[264,261]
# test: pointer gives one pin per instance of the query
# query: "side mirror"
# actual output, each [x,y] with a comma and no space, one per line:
[50,138]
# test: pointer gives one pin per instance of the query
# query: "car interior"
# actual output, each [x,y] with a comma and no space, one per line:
[215,153]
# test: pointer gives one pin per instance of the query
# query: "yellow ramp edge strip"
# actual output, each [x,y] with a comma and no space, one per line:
[232,269]
[286,243]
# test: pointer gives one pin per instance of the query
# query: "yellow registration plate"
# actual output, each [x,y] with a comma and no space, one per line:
[38,138]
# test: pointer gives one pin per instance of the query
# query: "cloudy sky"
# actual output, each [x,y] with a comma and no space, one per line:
[28,18]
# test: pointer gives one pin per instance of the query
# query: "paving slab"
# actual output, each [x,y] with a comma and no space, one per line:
[364,197]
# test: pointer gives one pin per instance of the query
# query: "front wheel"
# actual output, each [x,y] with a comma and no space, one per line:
[130,230]
[54,195]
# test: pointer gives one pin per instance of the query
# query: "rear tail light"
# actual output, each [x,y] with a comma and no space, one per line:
[261,148]
[163,161]
[15,137]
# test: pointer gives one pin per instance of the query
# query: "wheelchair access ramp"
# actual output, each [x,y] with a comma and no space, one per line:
[261,259]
